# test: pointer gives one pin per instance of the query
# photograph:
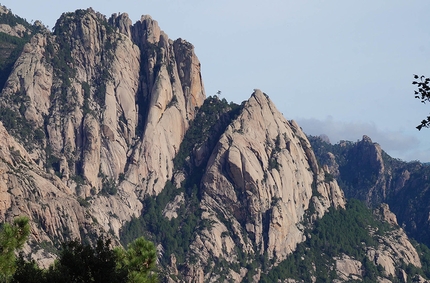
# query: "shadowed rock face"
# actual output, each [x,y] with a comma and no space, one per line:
[364,171]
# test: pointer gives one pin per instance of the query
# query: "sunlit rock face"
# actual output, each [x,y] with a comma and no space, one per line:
[95,112]
[109,103]
[261,177]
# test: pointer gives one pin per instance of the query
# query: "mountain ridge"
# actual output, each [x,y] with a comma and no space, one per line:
[402,185]
[108,131]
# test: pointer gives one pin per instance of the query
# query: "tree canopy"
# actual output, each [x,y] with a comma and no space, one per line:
[12,237]
[137,261]
[79,263]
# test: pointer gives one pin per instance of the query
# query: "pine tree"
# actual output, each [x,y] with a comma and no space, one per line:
[12,238]
[139,259]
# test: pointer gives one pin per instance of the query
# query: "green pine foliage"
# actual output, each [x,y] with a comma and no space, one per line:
[404,186]
[100,264]
[12,238]
[162,230]
[210,122]
[340,231]
[109,186]
[137,261]
[28,271]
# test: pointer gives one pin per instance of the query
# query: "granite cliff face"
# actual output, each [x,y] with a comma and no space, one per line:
[102,118]
[26,189]
[260,180]
[105,103]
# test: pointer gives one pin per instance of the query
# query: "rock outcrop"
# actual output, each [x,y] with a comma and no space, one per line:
[261,178]
[105,107]
[17,30]
[394,247]
[348,268]
[56,214]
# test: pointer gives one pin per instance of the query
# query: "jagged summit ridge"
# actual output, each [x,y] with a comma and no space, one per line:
[103,104]
[103,118]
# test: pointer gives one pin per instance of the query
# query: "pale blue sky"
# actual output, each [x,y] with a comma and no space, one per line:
[341,68]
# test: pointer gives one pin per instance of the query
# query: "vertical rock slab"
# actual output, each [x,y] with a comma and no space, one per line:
[172,89]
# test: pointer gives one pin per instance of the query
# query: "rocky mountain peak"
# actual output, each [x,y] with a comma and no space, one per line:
[122,22]
[107,106]
[102,118]
[367,173]
[262,177]
[148,30]
[366,139]
[367,158]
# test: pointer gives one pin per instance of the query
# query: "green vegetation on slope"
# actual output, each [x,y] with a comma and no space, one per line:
[339,232]
[77,262]
[210,122]
[160,229]
[350,232]
[11,46]
[404,186]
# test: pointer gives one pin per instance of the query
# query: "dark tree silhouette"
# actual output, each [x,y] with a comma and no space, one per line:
[423,93]
[81,263]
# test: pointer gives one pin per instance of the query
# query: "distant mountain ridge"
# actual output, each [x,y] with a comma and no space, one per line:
[366,172]
[106,130]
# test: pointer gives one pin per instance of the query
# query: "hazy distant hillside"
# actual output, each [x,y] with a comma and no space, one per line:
[364,171]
